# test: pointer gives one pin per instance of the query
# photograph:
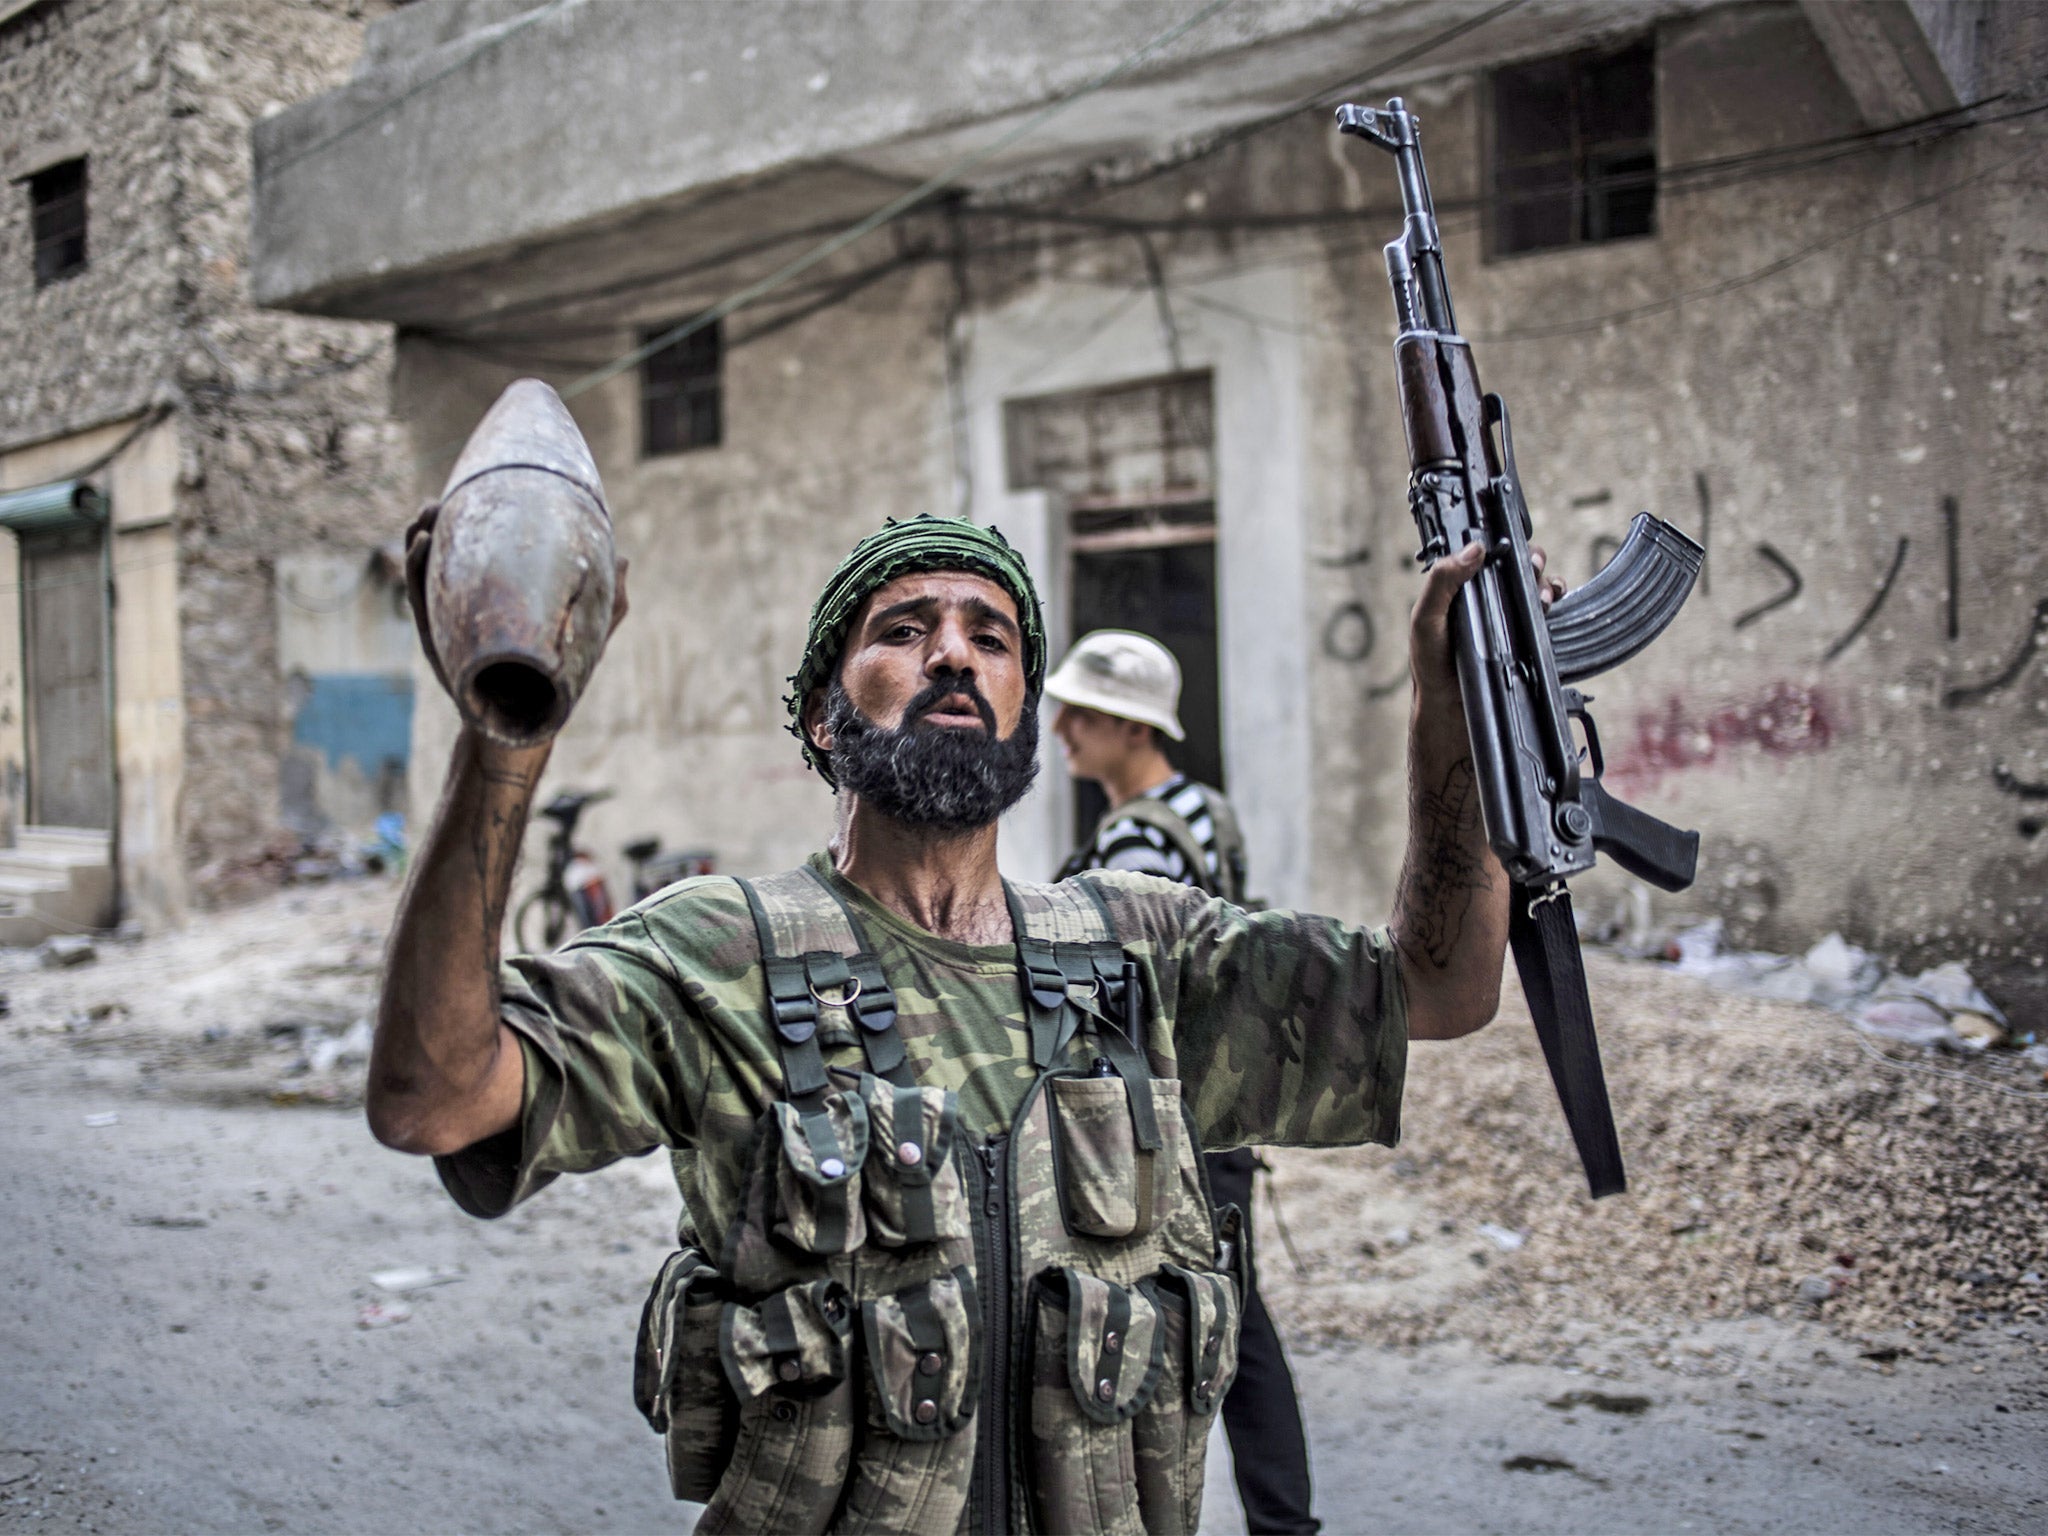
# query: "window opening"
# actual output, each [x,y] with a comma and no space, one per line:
[56,200]
[1574,150]
[680,392]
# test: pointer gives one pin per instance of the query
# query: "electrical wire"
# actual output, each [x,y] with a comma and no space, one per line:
[1350,82]
[893,208]
[1670,180]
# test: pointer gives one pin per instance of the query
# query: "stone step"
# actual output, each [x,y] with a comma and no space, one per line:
[80,841]
[55,880]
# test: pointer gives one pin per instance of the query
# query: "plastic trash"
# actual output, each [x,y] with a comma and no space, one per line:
[1950,988]
[1894,1014]
[383,1314]
[414,1277]
[1503,1238]
[326,1052]
[1841,972]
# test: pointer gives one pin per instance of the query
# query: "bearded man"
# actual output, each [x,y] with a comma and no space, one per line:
[948,1261]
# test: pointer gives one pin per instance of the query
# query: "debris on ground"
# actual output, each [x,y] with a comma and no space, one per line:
[1942,1007]
[383,1314]
[325,1052]
[1605,1402]
[1780,1163]
[63,950]
[415,1277]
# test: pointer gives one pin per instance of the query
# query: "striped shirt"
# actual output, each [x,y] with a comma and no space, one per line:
[1129,844]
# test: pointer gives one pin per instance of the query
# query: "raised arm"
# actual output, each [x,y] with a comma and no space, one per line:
[1451,907]
[445,1071]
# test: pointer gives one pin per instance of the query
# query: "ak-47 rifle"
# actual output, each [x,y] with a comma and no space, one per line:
[1546,817]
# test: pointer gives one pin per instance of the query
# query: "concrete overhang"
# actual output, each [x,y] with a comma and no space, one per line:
[495,156]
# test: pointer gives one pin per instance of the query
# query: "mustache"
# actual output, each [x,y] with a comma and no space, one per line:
[961,686]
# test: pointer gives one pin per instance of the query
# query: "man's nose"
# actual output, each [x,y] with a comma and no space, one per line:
[951,651]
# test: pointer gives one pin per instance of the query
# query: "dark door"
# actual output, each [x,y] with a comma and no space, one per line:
[64,649]
[1169,593]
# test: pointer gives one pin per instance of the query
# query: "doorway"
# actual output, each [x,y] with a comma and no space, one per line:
[1167,591]
[64,653]
[1133,465]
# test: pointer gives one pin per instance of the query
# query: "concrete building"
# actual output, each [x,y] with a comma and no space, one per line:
[195,636]
[1774,270]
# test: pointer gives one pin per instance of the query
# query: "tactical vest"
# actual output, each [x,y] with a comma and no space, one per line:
[911,1328]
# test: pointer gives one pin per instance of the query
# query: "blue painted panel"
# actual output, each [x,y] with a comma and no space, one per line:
[363,715]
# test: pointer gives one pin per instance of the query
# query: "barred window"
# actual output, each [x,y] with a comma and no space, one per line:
[680,405]
[1574,150]
[56,199]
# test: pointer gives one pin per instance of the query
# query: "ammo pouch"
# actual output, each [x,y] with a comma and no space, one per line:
[913,1192]
[788,1360]
[1096,1352]
[1124,1386]
[1110,1184]
[678,1383]
[1199,1319]
[817,1178]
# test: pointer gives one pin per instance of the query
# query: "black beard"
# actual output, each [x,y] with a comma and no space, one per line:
[937,778]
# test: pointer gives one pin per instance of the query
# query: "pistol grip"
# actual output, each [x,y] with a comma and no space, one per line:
[1647,848]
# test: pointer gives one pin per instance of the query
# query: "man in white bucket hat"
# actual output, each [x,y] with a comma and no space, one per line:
[1119,695]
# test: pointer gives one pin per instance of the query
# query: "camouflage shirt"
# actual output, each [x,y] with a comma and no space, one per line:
[653,1031]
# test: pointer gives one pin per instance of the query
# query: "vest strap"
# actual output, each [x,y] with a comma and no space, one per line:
[872,1005]
[795,1011]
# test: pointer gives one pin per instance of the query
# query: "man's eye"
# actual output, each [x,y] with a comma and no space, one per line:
[902,632]
[991,642]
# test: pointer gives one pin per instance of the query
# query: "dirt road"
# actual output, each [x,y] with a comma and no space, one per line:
[188,1262]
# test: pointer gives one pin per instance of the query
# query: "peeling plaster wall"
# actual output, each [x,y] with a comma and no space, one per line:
[1887,784]
[1820,361]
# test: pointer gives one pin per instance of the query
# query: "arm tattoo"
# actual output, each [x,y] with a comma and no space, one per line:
[1444,869]
[495,846]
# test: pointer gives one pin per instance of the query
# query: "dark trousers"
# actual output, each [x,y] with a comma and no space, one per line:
[1268,1448]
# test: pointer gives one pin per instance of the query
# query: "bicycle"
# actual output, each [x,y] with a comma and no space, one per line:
[573,894]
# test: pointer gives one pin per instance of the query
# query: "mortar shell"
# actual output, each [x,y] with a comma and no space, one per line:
[521,576]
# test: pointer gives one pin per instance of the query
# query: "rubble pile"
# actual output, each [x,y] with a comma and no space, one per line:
[1779,1163]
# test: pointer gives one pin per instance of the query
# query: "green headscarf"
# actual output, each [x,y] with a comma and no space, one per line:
[922,543]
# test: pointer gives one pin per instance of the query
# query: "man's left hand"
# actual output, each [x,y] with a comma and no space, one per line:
[1430,658]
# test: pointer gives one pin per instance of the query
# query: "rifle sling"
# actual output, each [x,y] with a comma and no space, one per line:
[1546,946]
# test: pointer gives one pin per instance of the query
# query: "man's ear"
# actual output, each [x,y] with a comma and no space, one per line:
[815,730]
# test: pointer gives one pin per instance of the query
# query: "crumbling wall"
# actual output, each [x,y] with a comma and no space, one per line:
[86,78]
[1826,366]
[289,440]
[282,422]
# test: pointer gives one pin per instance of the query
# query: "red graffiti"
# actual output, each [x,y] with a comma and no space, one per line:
[1788,721]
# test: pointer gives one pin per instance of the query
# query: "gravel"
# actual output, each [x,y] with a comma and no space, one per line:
[1777,1166]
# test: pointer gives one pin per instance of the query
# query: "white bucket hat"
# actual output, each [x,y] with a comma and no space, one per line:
[1121,673]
